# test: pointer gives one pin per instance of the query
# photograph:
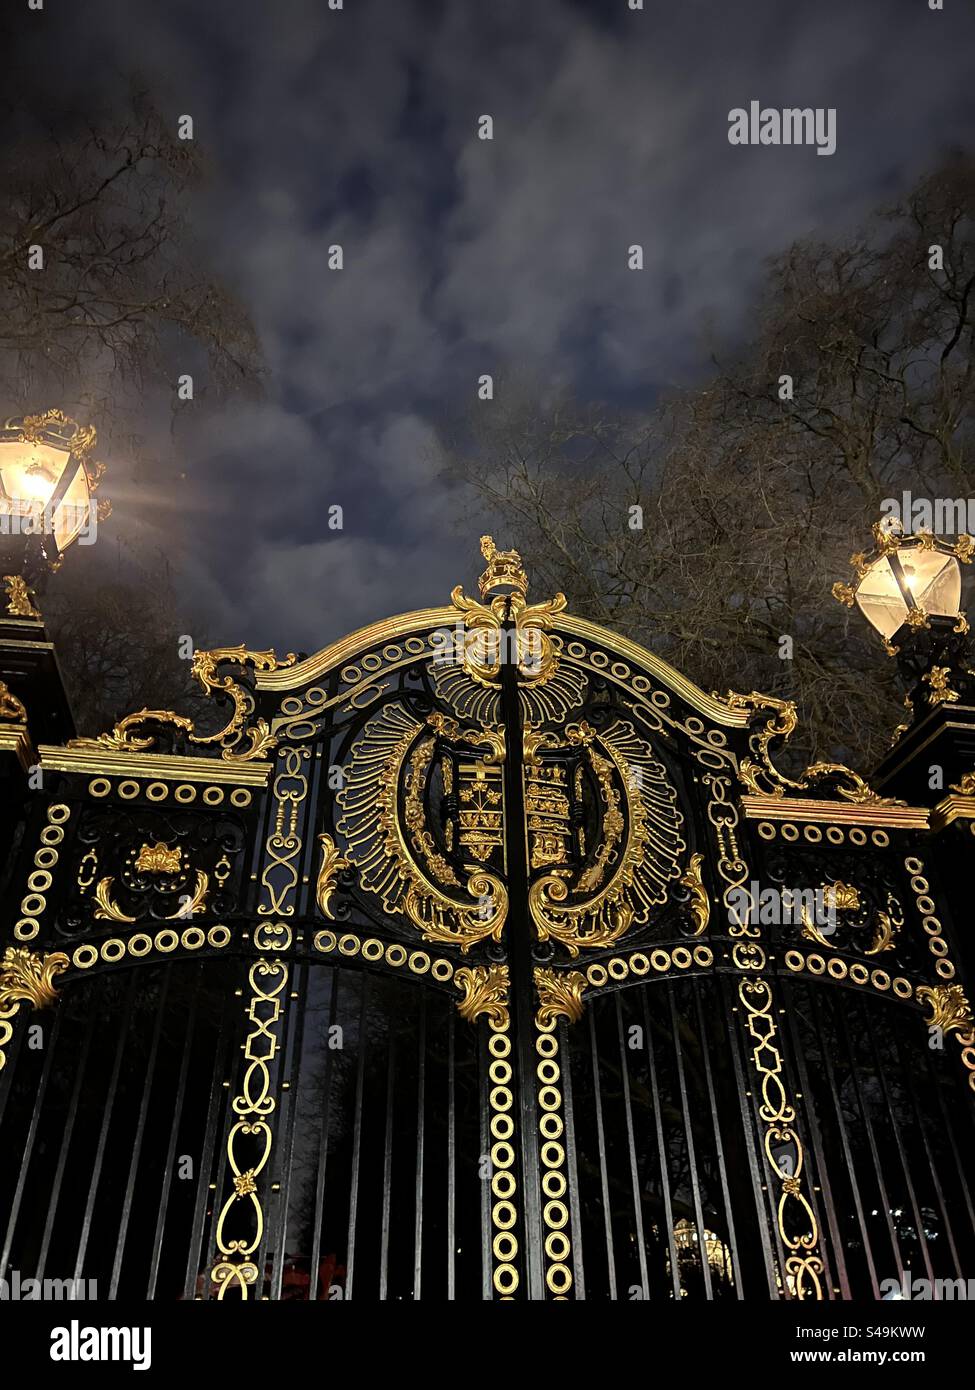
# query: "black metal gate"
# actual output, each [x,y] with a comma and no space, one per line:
[501,980]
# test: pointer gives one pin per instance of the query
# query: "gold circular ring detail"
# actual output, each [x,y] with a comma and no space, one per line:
[682,957]
[128,789]
[213,796]
[99,786]
[859,974]
[555,1214]
[419,962]
[596,975]
[502,1126]
[372,949]
[167,940]
[550,1125]
[395,955]
[553,1183]
[504,1215]
[549,1097]
[240,796]
[58,813]
[84,958]
[113,949]
[185,792]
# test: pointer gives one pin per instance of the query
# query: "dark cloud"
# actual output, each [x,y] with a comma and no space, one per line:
[358,127]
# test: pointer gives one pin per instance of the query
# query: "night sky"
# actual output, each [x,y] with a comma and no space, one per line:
[462,256]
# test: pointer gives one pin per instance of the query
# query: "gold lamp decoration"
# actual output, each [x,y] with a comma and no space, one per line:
[907,579]
[47,478]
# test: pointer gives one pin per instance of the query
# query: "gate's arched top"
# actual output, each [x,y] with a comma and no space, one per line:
[542,620]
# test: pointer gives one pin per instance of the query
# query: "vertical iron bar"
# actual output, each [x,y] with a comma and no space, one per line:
[451,1160]
[194,1255]
[847,1153]
[421,1100]
[901,1153]
[96,1167]
[718,1143]
[335,982]
[357,1136]
[661,1142]
[631,1146]
[689,1137]
[908,1071]
[66,1138]
[31,1139]
[139,1135]
[601,1142]
[520,939]
[572,1165]
[167,1173]
[387,1164]
[871,1139]
[950,1131]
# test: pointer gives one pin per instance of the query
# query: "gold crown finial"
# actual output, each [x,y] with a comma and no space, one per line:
[504,570]
[158,859]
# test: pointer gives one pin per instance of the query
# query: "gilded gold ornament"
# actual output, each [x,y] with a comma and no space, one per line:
[159,859]
[333,863]
[10,707]
[700,905]
[19,598]
[560,995]
[950,1009]
[29,978]
[485,989]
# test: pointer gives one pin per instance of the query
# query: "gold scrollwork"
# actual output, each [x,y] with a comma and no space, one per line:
[239,741]
[279,877]
[559,994]
[253,1105]
[646,860]
[950,1009]
[700,904]
[375,836]
[26,977]
[485,989]
[762,778]
[333,863]
[803,1265]
[483,644]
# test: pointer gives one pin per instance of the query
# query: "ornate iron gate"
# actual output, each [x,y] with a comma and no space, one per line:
[454,965]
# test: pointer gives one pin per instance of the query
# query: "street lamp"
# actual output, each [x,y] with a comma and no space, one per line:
[47,478]
[909,589]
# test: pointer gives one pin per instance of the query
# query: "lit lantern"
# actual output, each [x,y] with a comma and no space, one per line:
[907,580]
[46,481]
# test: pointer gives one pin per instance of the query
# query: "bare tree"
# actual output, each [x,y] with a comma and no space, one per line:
[105,296]
[751,498]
